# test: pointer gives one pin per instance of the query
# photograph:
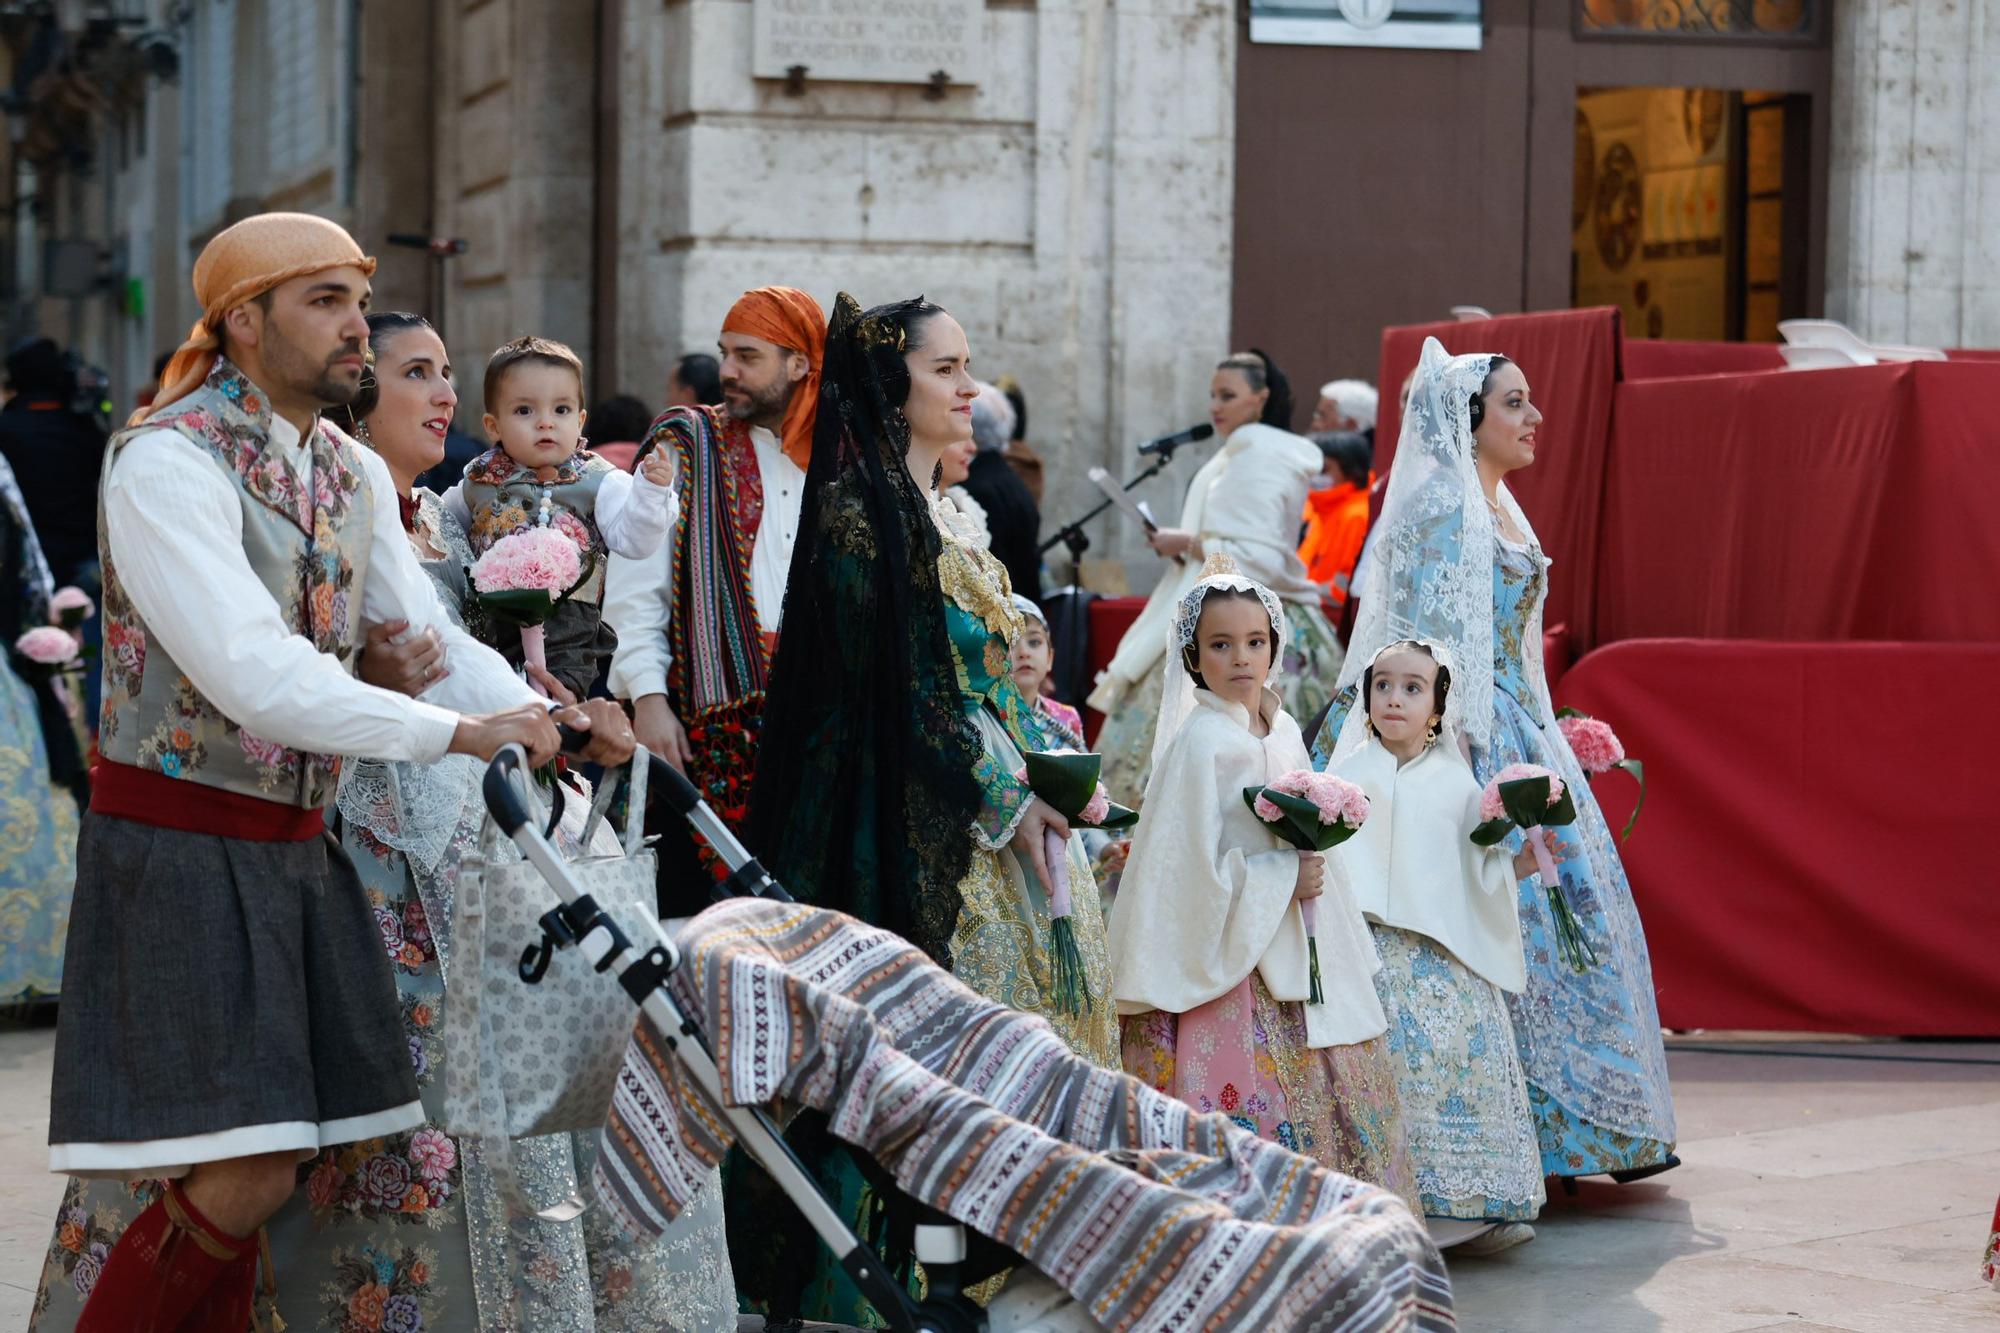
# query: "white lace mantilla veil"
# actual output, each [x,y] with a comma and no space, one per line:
[1447,737]
[1432,575]
[1177,700]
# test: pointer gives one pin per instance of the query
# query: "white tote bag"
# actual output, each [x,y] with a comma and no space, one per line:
[524,1059]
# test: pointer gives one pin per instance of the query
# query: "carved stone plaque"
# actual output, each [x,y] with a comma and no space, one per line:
[869,41]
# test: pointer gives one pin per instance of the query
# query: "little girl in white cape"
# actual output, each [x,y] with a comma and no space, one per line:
[1209,954]
[1445,923]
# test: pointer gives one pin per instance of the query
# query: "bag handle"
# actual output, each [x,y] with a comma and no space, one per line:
[634,779]
[472,1056]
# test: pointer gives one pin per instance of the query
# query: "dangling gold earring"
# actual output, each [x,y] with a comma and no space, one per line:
[1437,728]
[1368,724]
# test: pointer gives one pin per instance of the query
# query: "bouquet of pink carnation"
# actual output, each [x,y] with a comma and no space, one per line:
[1068,781]
[524,576]
[1313,812]
[1598,750]
[70,607]
[49,653]
[1530,797]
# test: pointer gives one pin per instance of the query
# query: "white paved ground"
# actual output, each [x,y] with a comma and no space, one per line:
[1839,1186]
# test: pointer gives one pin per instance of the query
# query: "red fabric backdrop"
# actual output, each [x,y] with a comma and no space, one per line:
[1571,360]
[1826,504]
[1662,358]
[1811,856]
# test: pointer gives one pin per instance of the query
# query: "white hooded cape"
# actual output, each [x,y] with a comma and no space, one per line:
[1207,893]
[1413,864]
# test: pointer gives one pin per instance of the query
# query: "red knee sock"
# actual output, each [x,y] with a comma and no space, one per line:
[163,1267]
[227,1305]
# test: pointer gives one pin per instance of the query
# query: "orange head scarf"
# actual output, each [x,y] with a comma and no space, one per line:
[245,261]
[790,318]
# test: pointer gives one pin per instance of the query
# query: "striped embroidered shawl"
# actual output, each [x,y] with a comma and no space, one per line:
[717,655]
[1155,1217]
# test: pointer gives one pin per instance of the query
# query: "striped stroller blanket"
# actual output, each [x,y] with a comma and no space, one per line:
[1152,1216]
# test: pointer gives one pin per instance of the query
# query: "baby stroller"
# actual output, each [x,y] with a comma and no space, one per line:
[1117,1206]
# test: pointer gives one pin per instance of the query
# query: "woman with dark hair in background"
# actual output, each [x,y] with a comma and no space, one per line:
[1245,501]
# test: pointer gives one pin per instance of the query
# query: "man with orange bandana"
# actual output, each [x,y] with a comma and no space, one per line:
[696,623]
[228,1009]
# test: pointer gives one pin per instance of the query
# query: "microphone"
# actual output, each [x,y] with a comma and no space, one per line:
[1166,444]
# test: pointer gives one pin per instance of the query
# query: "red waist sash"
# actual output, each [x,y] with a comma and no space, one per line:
[145,797]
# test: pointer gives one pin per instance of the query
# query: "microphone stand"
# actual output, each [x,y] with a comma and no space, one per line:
[1072,535]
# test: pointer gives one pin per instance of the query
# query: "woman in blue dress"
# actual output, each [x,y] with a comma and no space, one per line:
[1457,563]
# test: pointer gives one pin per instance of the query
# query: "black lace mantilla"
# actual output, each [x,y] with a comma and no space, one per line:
[865,798]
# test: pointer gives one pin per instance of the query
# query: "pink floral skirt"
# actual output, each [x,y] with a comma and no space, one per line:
[1245,1054]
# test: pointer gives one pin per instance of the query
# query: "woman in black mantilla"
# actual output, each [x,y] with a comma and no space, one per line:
[886,779]
[887,784]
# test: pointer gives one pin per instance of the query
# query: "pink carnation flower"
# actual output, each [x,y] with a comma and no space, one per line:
[1339,801]
[1098,808]
[1490,805]
[70,601]
[1298,782]
[45,645]
[535,558]
[1596,745]
[1265,810]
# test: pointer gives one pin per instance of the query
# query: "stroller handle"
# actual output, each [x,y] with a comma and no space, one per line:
[504,800]
[747,877]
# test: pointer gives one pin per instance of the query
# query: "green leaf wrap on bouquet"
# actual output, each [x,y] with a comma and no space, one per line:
[523,608]
[1638,771]
[1067,781]
[1300,825]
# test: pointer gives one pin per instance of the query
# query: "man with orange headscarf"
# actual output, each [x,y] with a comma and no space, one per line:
[696,623]
[228,1009]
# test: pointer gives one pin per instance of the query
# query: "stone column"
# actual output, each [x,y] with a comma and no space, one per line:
[515,176]
[1073,210]
[1914,180]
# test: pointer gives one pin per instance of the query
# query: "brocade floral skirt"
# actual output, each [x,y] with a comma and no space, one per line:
[1465,1103]
[1245,1054]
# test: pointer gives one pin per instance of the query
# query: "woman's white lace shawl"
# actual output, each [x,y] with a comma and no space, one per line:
[420,809]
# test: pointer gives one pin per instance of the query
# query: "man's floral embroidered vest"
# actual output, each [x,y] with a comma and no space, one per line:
[308,546]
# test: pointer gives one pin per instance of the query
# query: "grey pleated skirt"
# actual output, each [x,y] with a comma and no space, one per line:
[221,997]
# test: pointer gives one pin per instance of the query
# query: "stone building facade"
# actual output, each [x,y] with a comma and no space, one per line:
[1913,252]
[618,175]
